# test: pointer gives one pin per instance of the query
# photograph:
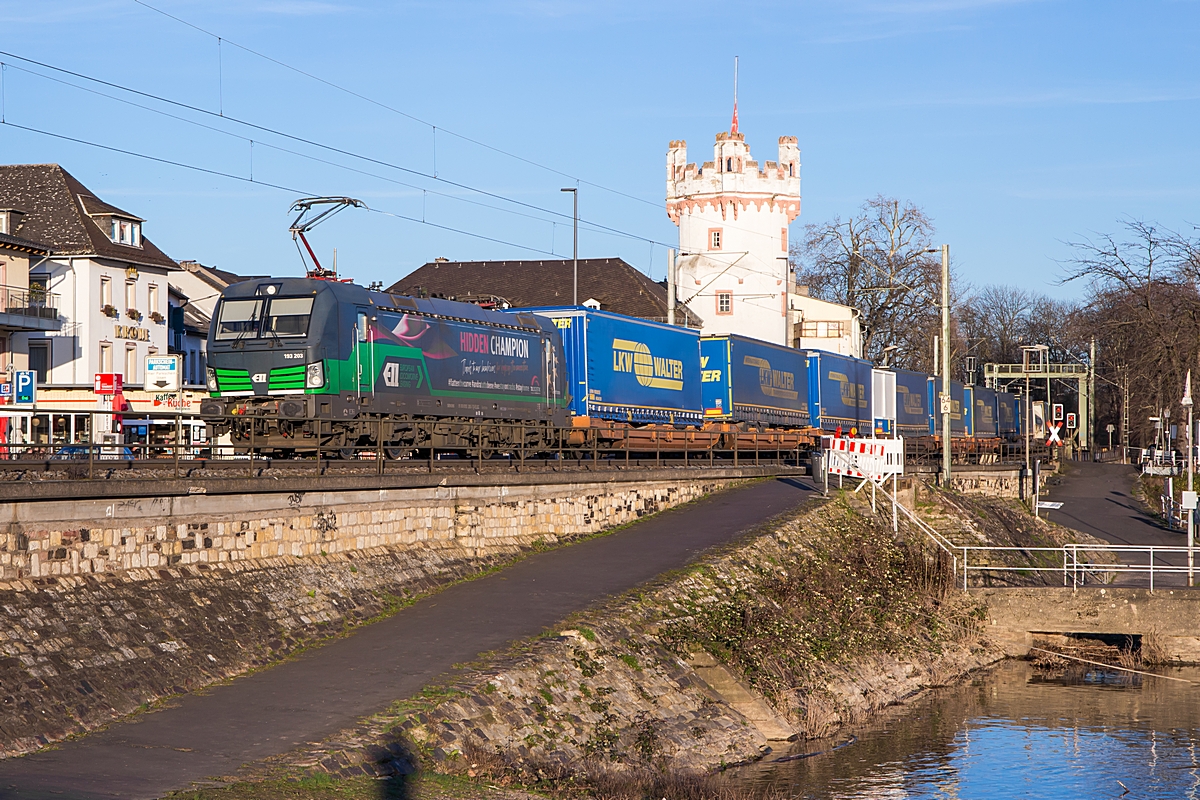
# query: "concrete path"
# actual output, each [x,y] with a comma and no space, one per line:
[324,690]
[1097,499]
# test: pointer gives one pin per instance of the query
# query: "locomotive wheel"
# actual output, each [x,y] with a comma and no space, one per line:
[345,453]
[397,452]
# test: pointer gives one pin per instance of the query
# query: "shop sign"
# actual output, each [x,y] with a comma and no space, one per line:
[108,383]
[131,332]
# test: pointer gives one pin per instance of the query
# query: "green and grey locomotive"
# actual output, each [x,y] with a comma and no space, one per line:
[297,361]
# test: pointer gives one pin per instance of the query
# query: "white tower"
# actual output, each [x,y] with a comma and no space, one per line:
[733,217]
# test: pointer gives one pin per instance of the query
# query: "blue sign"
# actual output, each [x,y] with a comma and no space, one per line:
[5,390]
[25,387]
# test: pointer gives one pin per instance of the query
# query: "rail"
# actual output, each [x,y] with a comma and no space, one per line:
[26,302]
[1079,565]
[61,444]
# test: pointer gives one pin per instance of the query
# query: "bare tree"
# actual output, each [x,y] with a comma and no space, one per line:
[879,261]
[1144,309]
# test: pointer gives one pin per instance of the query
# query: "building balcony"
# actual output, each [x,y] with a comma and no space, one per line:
[24,309]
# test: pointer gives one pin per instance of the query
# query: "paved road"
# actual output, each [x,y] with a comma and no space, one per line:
[1097,500]
[324,690]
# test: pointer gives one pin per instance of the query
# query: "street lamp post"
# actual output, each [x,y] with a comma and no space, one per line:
[575,242]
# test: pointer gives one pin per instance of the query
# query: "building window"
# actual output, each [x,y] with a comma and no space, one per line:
[724,302]
[783,238]
[126,232]
[105,291]
[821,330]
[39,359]
[106,364]
[792,170]
[130,375]
[130,295]
[729,164]
[152,302]
[714,238]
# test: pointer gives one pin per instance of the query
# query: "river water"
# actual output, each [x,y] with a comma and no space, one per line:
[1014,731]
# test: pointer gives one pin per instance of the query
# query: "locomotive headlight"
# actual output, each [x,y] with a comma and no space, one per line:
[210,377]
[314,375]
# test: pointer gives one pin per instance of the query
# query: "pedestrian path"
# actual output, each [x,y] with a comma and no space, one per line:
[326,689]
[1097,499]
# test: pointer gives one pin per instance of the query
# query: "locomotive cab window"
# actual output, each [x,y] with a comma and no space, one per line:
[238,318]
[289,316]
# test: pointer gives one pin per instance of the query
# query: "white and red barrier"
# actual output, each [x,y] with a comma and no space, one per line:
[873,459]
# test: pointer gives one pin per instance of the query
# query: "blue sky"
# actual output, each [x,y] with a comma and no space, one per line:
[1015,125]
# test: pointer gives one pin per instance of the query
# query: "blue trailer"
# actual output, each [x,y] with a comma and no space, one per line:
[960,418]
[1008,415]
[914,413]
[838,389]
[747,380]
[985,417]
[628,369]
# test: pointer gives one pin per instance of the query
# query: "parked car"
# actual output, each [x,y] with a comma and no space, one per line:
[79,452]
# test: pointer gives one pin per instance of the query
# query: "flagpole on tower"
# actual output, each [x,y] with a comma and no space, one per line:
[734,127]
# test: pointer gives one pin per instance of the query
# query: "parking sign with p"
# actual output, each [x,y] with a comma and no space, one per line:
[25,387]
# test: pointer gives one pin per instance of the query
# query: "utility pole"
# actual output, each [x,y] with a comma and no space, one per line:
[946,402]
[1091,403]
[575,242]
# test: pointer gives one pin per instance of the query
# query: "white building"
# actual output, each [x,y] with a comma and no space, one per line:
[733,216]
[111,283]
[822,325]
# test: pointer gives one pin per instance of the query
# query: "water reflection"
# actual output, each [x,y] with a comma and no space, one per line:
[1015,732]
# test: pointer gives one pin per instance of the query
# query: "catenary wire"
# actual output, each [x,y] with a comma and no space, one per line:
[268,184]
[275,147]
[584,226]
[394,110]
[266,129]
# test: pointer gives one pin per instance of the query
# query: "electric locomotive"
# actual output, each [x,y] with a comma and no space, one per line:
[297,361]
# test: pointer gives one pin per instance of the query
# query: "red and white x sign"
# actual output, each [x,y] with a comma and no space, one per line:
[1054,429]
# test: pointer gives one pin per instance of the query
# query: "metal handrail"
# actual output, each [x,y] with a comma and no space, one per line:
[29,302]
[1075,569]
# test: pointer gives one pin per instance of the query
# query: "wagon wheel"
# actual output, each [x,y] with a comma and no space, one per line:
[398,451]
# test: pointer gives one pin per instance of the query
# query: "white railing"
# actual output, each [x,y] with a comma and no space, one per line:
[1077,563]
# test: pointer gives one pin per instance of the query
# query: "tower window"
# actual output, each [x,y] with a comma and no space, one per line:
[724,302]
[729,164]
[714,238]
[792,170]
[783,238]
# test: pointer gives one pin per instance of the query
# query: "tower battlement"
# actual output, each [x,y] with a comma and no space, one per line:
[734,178]
[733,214]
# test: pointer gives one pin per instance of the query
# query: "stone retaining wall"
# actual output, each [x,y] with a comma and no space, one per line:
[992,482]
[161,534]
[103,616]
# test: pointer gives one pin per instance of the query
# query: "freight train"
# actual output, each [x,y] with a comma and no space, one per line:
[297,362]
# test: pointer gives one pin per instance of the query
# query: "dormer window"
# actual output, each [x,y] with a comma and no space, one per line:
[126,231]
[10,220]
